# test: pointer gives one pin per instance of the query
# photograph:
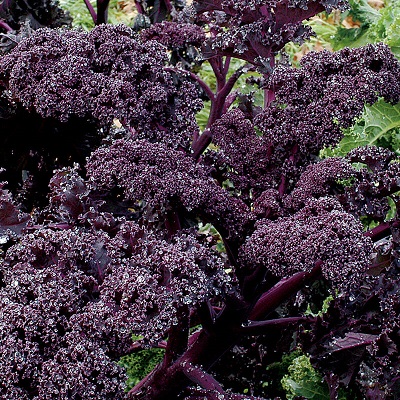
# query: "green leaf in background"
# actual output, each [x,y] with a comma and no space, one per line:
[203,115]
[387,27]
[119,12]
[382,123]
[375,26]
[379,125]
[362,11]
[139,364]
[365,15]
[304,381]
[277,370]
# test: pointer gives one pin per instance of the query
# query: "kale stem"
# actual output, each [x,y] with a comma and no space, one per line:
[283,290]
[102,11]
[5,26]
[262,327]
[91,11]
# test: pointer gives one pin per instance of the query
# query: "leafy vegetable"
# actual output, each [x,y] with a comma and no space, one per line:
[206,242]
[303,380]
[375,26]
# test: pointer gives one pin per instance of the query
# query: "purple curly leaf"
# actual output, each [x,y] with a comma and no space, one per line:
[11,218]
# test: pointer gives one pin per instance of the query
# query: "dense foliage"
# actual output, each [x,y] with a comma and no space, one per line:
[108,183]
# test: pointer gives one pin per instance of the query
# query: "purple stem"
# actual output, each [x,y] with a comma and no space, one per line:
[281,291]
[102,11]
[178,336]
[262,327]
[158,385]
[282,186]
[203,85]
[201,378]
[207,316]
[139,7]
[269,97]
[223,88]
[5,26]
[200,81]
[226,89]
[229,101]
[168,5]
[201,144]
[217,108]
[269,94]
[217,66]
[226,65]
[380,231]
[91,11]
[206,348]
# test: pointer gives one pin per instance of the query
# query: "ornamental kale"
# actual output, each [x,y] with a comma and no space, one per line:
[19,18]
[121,76]
[15,14]
[101,248]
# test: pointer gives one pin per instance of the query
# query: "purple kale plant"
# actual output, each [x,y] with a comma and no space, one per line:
[103,245]
[18,19]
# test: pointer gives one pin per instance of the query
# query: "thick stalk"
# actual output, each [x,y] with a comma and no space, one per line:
[269,94]
[380,231]
[5,26]
[166,382]
[102,11]
[218,101]
[283,290]
[262,327]
[178,337]
[139,7]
